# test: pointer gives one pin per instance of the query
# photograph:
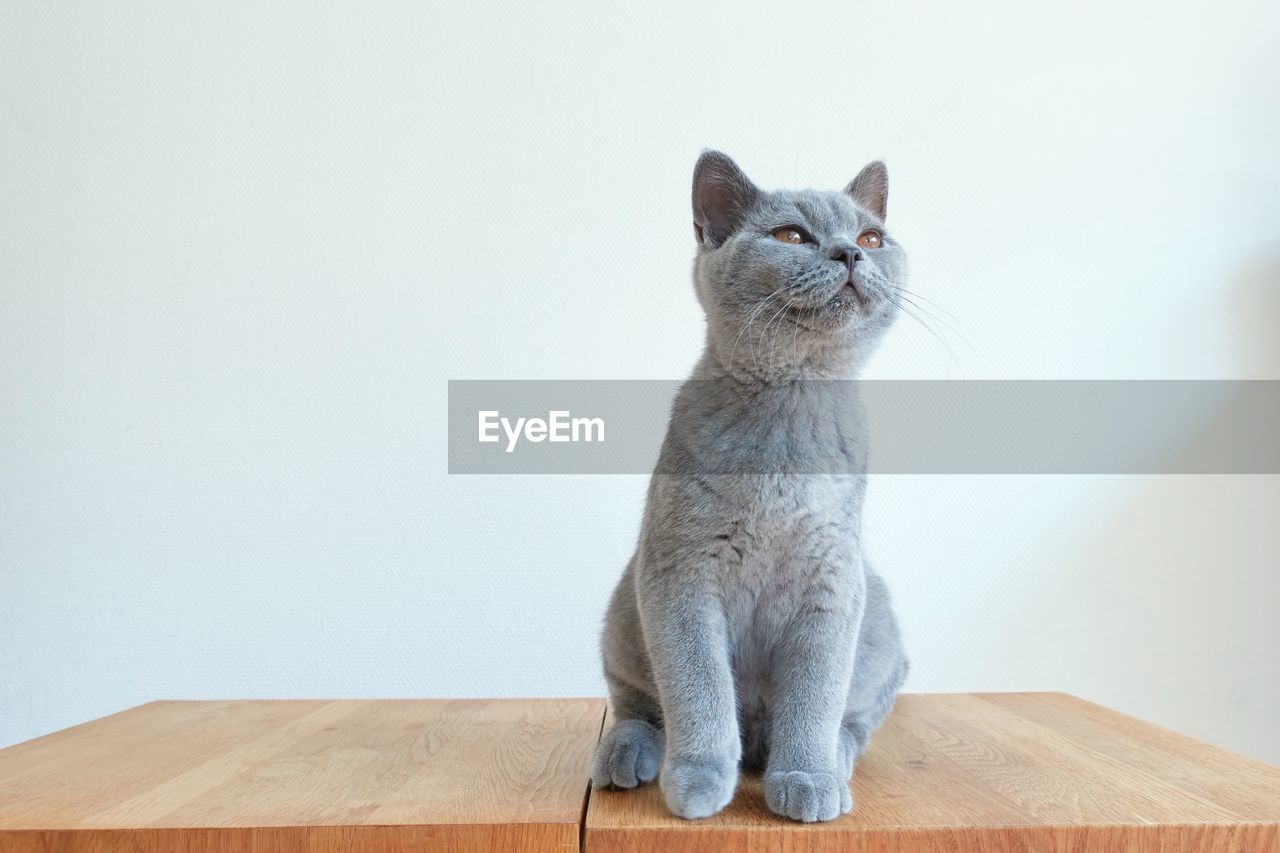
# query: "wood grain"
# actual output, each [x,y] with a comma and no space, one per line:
[473,775]
[1008,773]
[1005,773]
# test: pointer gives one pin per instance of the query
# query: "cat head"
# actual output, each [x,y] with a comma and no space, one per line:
[795,283]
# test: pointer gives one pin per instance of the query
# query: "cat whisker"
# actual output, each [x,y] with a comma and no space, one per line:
[795,343]
[924,298]
[905,309]
[772,340]
[906,297]
[754,314]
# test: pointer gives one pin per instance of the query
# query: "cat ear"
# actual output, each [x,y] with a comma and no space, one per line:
[722,195]
[871,188]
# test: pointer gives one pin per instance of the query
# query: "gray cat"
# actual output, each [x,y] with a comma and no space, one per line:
[748,627]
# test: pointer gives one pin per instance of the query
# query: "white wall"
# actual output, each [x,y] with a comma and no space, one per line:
[243,247]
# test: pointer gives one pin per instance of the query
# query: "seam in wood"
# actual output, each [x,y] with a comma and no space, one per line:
[586,796]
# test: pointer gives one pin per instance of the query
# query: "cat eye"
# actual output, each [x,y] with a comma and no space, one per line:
[790,234]
[870,239]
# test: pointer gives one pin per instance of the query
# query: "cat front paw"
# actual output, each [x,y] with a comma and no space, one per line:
[805,796]
[628,755]
[697,789]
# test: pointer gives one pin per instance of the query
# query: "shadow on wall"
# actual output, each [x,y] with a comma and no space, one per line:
[1177,594]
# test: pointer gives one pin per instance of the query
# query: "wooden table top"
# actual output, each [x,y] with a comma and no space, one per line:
[991,772]
[305,776]
[947,772]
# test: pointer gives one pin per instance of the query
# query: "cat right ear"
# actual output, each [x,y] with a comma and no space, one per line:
[722,195]
[870,188]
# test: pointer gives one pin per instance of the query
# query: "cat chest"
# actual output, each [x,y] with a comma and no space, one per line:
[767,573]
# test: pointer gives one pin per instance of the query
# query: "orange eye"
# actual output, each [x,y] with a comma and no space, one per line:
[870,239]
[789,235]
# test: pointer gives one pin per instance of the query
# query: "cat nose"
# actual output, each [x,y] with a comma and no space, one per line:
[847,255]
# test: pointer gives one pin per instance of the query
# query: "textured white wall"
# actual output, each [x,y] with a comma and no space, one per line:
[243,246]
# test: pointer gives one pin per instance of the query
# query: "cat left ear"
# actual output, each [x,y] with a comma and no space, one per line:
[870,189]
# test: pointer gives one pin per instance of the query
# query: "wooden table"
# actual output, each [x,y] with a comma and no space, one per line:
[961,772]
[989,773]
[305,777]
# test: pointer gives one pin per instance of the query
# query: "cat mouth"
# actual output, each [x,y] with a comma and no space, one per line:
[853,293]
